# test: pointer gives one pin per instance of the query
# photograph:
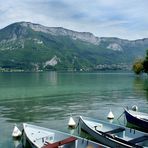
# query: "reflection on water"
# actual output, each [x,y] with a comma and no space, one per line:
[17,143]
[52,78]
[141,85]
[48,99]
[129,125]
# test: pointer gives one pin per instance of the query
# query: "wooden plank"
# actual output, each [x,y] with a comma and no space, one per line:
[59,143]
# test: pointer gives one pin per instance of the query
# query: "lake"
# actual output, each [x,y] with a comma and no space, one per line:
[47,99]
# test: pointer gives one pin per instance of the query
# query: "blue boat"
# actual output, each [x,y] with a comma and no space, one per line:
[113,135]
[137,118]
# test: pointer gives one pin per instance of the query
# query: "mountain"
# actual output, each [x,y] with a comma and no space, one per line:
[28,46]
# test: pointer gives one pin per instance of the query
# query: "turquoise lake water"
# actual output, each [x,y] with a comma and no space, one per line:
[47,99]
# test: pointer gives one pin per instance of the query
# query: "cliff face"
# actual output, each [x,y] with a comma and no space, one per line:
[59,31]
[25,43]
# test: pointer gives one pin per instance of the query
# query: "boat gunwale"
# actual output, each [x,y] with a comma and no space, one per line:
[134,116]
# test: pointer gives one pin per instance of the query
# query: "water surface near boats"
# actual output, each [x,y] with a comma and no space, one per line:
[47,99]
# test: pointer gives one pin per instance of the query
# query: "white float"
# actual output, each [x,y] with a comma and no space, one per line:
[71,123]
[16,132]
[110,115]
[135,108]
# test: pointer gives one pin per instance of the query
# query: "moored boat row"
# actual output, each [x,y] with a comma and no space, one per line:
[106,134]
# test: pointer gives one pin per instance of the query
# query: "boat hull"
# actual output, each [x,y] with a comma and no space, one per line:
[136,121]
[26,142]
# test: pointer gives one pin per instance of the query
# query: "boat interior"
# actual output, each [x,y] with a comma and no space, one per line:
[42,137]
[118,132]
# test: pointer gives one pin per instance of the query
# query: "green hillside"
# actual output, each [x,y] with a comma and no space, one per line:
[24,48]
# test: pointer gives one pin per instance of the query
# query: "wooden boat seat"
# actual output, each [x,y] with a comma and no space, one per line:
[118,138]
[138,139]
[59,143]
[117,130]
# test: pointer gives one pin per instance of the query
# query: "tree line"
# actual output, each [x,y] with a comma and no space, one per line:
[141,65]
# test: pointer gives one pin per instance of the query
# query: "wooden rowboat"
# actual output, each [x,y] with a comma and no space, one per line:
[113,135]
[40,137]
[137,118]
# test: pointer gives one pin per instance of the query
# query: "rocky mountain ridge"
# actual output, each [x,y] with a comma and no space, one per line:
[25,45]
[60,31]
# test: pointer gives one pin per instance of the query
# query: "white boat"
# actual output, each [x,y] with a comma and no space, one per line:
[113,135]
[40,137]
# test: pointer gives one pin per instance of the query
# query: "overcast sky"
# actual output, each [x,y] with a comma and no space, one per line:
[127,19]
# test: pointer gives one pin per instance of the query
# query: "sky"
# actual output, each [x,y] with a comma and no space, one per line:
[126,19]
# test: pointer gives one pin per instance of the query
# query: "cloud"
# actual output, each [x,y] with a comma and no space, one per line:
[118,18]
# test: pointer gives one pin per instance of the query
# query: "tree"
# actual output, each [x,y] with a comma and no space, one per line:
[145,63]
[138,67]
